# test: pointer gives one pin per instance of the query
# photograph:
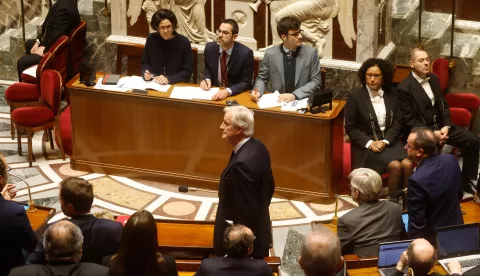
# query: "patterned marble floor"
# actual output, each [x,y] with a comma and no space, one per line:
[123,195]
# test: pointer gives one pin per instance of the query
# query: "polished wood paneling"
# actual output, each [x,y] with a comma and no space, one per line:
[141,27]
[38,219]
[443,6]
[178,141]
[259,26]
[466,12]
[340,49]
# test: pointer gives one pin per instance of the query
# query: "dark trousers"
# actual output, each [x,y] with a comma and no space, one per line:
[469,142]
[28,60]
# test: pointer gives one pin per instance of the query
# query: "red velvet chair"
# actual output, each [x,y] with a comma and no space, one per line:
[63,132]
[60,52]
[78,43]
[42,117]
[23,94]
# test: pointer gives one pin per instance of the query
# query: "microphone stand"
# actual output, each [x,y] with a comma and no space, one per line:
[334,222]
[31,205]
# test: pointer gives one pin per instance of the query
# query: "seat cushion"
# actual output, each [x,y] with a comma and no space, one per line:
[33,116]
[22,92]
[66,131]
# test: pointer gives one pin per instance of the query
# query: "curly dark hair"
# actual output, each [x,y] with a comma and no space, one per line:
[384,66]
[161,15]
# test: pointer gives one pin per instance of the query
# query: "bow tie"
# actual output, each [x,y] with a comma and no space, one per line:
[377,93]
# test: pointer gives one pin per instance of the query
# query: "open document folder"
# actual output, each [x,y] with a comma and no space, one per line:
[193,93]
[271,100]
[136,82]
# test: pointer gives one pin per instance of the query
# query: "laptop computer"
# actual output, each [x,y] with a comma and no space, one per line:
[459,243]
[388,255]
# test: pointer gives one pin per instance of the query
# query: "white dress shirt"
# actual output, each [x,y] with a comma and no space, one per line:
[240,144]
[380,110]
[426,86]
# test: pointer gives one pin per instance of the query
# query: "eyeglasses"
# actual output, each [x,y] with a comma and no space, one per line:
[165,28]
[218,32]
[295,34]
[408,146]
[375,76]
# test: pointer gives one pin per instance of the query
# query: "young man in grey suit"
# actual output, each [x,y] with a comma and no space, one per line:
[292,69]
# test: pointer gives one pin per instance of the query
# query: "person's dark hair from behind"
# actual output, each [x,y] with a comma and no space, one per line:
[384,66]
[137,253]
[238,241]
[161,15]
[287,24]
[78,192]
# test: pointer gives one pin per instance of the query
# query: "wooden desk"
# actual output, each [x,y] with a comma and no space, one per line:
[38,220]
[179,141]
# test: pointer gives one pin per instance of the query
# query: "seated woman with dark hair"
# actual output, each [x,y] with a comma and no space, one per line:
[373,121]
[167,56]
[137,253]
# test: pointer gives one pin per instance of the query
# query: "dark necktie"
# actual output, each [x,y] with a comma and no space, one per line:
[223,68]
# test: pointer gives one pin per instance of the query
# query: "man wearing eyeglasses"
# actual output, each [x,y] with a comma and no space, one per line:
[228,64]
[292,69]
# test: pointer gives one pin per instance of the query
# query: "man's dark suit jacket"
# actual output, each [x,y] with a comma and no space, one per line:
[414,103]
[62,17]
[100,239]
[79,269]
[245,191]
[432,196]
[358,124]
[16,234]
[363,228]
[239,66]
[226,266]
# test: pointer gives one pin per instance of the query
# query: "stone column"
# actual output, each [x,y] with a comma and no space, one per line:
[119,20]
[243,14]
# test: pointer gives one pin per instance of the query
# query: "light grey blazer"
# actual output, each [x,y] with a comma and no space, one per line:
[307,72]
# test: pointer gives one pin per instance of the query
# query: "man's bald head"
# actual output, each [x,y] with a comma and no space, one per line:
[421,256]
[320,252]
[238,241]
[63,242]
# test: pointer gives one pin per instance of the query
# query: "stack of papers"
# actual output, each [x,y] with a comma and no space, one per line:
[113,87]
[191,93]
[269,100]
[295,105]
[136,82]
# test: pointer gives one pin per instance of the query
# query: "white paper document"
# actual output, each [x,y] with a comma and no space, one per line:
[113,87]
[136,82]
[31,71]
[269,100]
[193,93]
[295,105]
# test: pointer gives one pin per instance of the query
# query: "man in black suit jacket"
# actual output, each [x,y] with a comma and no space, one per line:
[101,236]
[422,104]
[433,187]
[235,76]
[238,244]
[62,17]
[246,184]
[16,233]
[373,221]
[63,248]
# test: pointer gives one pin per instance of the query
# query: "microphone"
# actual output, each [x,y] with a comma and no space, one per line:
[31,205]
[334,222]
[186,189]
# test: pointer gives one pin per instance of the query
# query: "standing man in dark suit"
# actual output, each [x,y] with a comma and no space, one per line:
[228,64]
[433,187]
[291,68]
[238,244]
[246,185]
[373,221]
[63,248]
[16,233]
[422,104]
[101,236]
[62,17]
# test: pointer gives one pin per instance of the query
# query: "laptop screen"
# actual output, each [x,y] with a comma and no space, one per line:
[389,253]
[458,240]
[405,221]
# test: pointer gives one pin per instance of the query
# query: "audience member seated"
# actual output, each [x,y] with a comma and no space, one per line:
[137,253]
[167,56]
[16,233]
[320,253]
[62,17]
[228,64]
[296,74]
[373,221]
[238,244]
[373,122]
[420,259]
[63,249]
[433,188]
[101,236]
[423,105]
[105,214]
